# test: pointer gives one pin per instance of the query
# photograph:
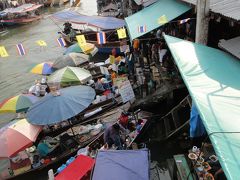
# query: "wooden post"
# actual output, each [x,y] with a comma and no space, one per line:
[202,21]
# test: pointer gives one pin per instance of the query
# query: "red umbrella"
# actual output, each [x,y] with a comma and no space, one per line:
[17,136]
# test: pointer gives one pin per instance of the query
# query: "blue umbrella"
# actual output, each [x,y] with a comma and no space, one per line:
[53,109]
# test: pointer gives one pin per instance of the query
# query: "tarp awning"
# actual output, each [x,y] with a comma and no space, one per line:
[231,45]
[149,17]
[212,78]
[95,21]
[121,164]
[77,169]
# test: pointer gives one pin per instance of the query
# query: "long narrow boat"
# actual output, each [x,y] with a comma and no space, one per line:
[23,14]
[82,140]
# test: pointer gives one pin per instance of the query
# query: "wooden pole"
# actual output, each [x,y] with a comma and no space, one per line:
[202,21]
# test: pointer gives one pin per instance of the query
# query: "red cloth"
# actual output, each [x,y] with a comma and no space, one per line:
[77,169]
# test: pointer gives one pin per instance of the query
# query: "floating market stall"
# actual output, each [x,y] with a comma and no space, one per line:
[212,78]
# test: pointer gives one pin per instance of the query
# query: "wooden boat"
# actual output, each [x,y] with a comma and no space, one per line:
[82,140]
[23,14]
[62,157]
[92,38]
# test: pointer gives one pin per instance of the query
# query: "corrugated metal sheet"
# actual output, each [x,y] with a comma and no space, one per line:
[227,8]
[232,46]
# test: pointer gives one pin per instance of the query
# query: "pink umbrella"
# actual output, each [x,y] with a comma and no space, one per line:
[17,136]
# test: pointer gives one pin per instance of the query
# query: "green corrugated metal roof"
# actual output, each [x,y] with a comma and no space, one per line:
[212,78]
[149,16]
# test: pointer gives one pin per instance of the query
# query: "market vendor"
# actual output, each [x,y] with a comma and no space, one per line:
[112,136]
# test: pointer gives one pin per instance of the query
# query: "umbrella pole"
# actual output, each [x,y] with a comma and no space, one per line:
[71,128]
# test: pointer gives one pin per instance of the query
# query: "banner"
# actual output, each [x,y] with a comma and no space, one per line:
[61,42]
[21,50]
[126,91]
[41,43]
[101,38]
[121,33]
[3,52]
[81,40]
[142,29]
[162,20]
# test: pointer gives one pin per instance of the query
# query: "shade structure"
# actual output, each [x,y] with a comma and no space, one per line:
[44,68]
[95,21]
[53,109]
[122,164]
[71,59]
[79,168]
[88,49]
[19,103]
[70,76]
[212,78]
[163,10]
[16,136]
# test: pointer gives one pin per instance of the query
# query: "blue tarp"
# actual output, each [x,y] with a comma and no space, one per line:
[122,164]
[96,21]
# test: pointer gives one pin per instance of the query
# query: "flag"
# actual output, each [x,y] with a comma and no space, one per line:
[41,43]
[61,42]
[184,21]
[162,20]
[21,50]
[121,33]
[112,59]
[142,29]
[3,52]
[81,40]
[101,38]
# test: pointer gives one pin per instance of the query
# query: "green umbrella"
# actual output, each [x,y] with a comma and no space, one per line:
[70,76]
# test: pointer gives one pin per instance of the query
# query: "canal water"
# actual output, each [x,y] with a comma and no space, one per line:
[14,70]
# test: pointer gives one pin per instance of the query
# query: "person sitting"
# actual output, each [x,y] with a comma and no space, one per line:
[35,89]
[45,147]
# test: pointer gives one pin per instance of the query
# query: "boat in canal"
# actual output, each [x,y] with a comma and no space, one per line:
[23,14]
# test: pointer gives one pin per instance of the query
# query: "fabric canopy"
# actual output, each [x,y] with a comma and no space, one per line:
[77,169]
[121,164]
[96,21]
[149,17]
[212,78]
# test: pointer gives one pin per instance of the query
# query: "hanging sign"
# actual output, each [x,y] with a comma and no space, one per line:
[81,40]
[21,50]
[162,20]
[121,33]
[126,91]
[3,52]
[41,43]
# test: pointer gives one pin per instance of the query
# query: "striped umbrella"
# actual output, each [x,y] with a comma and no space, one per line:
[44,68]
[87,49]
[17,136]
[70,76]
[19,103]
